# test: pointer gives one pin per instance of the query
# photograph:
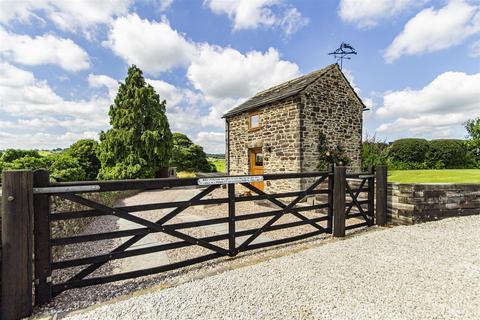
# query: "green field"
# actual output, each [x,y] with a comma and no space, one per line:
[435,176]
[219,163]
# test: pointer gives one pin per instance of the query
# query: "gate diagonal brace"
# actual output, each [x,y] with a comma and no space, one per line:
[359,206]
[91,268]
[356,197]
[283,206]
[152,225]
[288,208]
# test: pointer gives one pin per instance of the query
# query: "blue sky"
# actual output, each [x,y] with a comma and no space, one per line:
[418,67]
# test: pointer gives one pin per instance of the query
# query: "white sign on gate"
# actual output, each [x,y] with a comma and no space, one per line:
[228,180]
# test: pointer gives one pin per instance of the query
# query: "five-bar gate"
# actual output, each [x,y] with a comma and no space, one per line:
[337,196]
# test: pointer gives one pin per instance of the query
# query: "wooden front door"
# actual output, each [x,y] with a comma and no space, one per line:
[256,165]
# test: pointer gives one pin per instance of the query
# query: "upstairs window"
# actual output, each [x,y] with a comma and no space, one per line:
[254,121]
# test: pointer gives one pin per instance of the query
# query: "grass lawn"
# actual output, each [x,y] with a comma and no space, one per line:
[219,164]
[435,176]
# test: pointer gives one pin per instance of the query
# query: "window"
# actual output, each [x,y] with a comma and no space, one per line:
[259,159]
[254,121]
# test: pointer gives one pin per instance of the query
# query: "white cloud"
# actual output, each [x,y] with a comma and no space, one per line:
[227,73]
[251,14]
[443,104]
[367,13]
[433,30]
[43,118]
[82,15]
[153,46]
[45,49]
[42,140]
[98,81]
[212,142]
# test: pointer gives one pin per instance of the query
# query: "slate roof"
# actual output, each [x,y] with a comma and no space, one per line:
[279,92]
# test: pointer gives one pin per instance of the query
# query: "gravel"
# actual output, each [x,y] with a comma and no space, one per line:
[426,271]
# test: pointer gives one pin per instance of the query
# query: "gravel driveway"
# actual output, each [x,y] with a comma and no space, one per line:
[426,271]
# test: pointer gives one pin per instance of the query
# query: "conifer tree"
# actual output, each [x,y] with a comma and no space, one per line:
[139,143]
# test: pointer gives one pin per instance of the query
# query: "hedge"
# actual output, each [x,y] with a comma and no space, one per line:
[408,150]
[447,153]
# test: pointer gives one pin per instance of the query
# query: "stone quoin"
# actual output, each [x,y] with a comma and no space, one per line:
[278,130]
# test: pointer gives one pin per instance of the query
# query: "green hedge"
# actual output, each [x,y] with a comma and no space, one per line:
[411,154]
[447,154]
[408,150]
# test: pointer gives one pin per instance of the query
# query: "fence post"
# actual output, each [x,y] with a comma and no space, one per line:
[17,230]
[330,198]
[339,188]
[231,219]
[41,239]
[371,195]
[381,204]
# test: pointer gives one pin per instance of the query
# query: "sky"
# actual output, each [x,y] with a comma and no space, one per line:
[417,68]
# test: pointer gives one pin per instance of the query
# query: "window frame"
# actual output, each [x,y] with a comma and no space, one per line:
[250,115]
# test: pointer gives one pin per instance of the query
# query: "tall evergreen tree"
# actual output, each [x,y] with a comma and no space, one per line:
[139,143]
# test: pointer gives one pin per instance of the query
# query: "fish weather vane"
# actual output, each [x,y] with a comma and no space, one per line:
[343,52]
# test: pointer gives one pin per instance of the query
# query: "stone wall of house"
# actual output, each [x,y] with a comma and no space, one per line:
[414,203]
[278,137]
[329,107]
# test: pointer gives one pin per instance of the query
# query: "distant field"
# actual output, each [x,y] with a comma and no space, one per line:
[435,176]
[219,164]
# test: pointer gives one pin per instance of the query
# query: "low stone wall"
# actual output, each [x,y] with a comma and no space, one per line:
[414,203]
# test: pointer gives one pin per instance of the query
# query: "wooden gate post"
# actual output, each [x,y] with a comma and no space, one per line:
[231,219]
[371,195]
[381,203]
[339,194]
[331,169]
[41,240]
[17,230]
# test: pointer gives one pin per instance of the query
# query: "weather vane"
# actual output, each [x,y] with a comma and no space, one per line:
[343,52]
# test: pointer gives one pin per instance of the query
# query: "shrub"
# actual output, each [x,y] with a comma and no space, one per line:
[408,151]
[27,162]
[66,168]
[10,155]
[187,156]
[374,152]
[447,154]
[330,153]
[85,151]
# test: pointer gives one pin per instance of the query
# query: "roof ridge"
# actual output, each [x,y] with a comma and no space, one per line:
[280,91]
[320,71]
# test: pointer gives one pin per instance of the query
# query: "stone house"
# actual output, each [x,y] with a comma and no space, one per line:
[279,129]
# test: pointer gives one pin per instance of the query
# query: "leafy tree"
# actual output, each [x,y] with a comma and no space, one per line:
[139,143]
[11,154]
[187,156]
[66,168]
[473,143]
[85,151]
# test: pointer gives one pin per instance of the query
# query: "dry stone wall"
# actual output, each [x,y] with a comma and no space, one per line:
[415,203]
